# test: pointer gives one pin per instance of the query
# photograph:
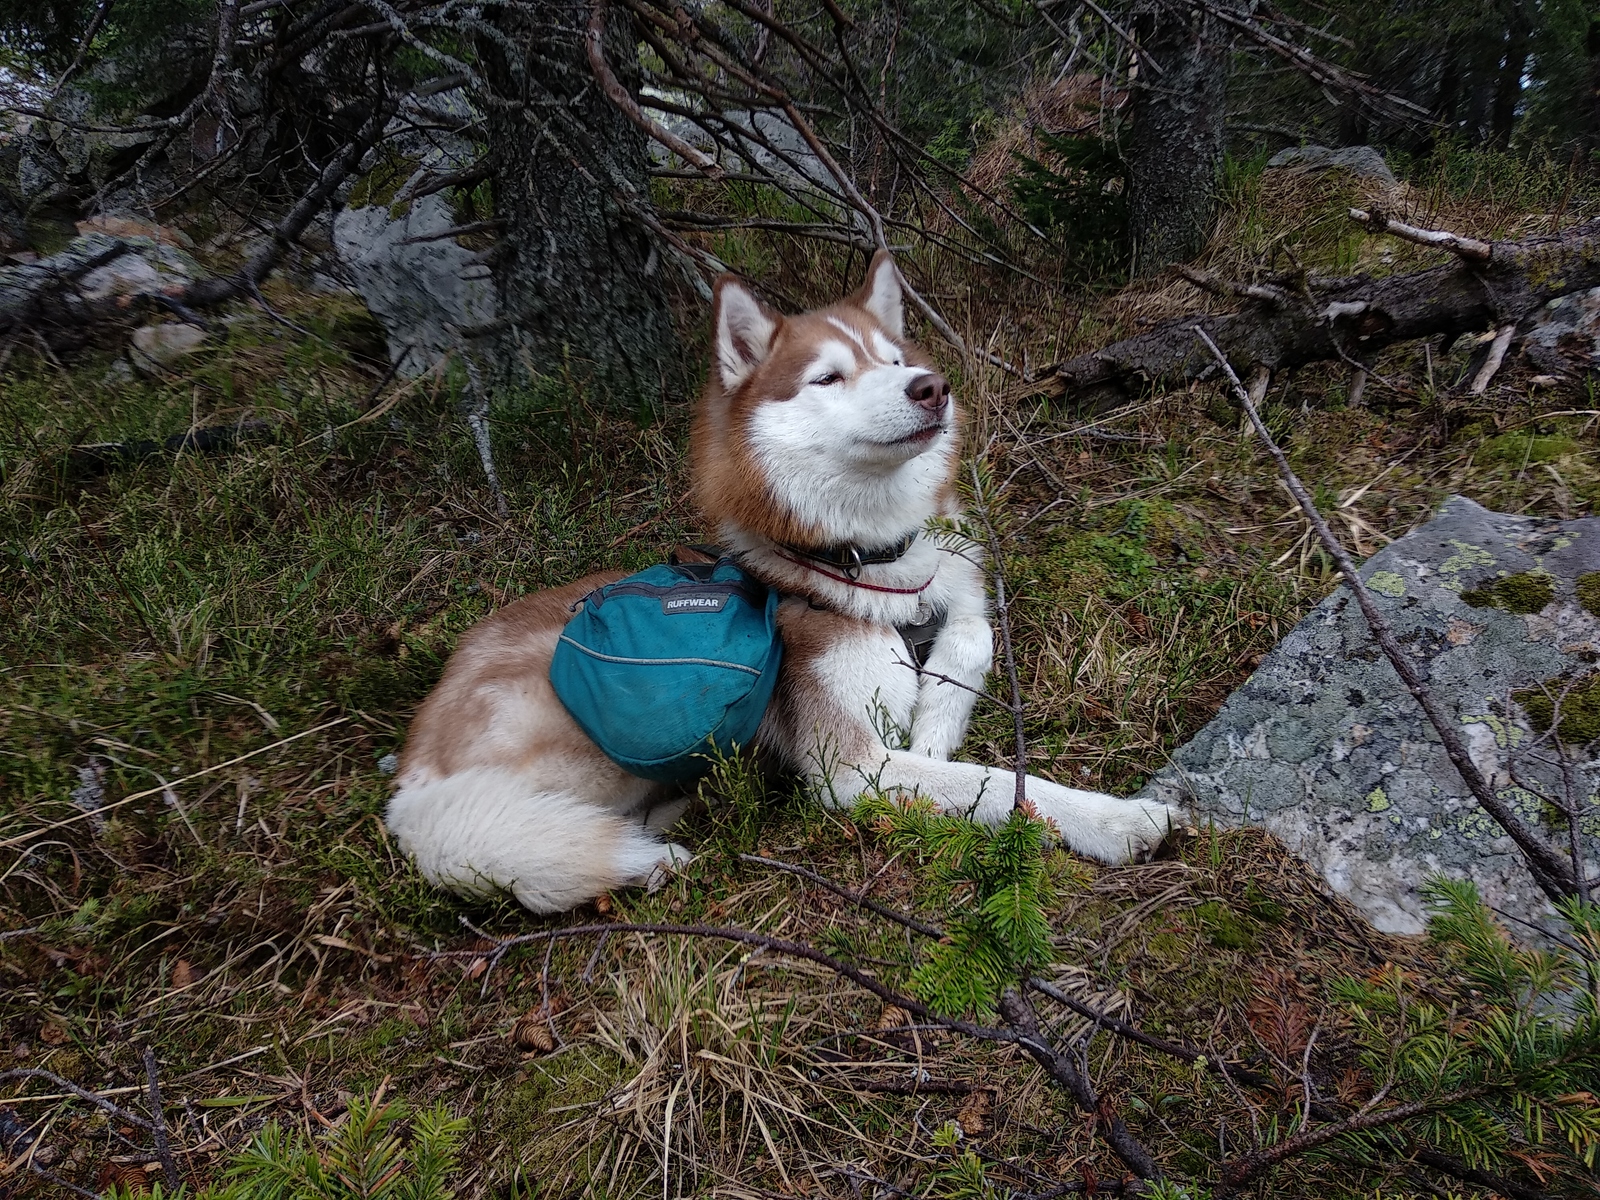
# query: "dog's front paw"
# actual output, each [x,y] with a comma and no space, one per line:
[1147,826]
[1111,830]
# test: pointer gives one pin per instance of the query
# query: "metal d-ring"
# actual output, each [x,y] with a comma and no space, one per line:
[852,569]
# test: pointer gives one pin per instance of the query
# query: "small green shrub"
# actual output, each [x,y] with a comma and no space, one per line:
[995,887]
[376,1152]
[1076,185]
[1508,1076]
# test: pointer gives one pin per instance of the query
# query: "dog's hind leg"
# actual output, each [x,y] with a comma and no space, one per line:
[481,831]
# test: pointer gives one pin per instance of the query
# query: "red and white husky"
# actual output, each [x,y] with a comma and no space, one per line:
[822,447]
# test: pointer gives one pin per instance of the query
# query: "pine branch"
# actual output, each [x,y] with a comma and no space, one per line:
[1243,1169]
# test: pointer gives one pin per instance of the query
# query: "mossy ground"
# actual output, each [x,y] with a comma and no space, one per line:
[255,926]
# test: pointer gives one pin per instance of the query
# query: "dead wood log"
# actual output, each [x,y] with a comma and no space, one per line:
[1290,320]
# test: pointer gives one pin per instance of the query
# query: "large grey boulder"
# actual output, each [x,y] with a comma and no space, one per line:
[1326,748]
[1361,161]
[421,288]
[1563,337]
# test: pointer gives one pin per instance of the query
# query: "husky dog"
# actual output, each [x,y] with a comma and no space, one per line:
[823,447]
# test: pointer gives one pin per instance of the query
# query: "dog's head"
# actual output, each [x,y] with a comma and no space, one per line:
[826,427]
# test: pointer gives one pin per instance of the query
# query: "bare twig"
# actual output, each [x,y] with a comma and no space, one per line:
[1552,875]
[1002,612]
[1468,248]
[288,230]
[158,1121]
[838,889]
[1491,364]
[89,35]
[66,1085]
[618,95]
[1019,1013]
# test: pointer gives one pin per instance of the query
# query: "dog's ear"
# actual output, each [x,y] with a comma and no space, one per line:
[745,329]
[882,294]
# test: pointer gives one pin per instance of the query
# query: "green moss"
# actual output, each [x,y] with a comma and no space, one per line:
[1527,592]
[380,185]
[1517,449]
[1589,592]
[1223,926]
[1262,906]
[1580,708]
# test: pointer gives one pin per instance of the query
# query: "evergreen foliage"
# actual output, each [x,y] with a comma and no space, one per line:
[377,1151]
[994,886]
[1076,185]
[1508,1078]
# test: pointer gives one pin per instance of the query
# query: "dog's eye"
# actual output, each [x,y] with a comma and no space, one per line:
[828,380]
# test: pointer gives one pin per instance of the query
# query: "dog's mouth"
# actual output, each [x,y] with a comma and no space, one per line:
[919,437]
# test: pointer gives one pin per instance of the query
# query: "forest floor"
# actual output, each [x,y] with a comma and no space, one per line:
[221,649]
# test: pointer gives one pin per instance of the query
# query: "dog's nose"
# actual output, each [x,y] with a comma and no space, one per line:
[929,391]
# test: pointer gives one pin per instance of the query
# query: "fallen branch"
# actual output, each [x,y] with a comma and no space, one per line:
[839,889]
[1379,222]
[1019,1013]
[286,232]
[96,458]
[1553,875]
[1289,321]
[1249,1166]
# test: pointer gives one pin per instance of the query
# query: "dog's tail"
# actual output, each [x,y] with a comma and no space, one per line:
[487,830]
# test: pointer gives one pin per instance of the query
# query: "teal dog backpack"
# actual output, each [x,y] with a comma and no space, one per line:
[668,668]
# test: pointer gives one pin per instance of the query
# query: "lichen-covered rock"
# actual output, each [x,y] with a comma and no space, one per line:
[1563,337]
[1361,161]
[1325,747]
[154,348]
[421,287]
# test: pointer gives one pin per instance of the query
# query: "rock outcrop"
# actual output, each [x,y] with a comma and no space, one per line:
[1361,161]
[420,286]
[1324,746]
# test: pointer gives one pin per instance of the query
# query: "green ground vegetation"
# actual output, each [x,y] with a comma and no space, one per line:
[208,657]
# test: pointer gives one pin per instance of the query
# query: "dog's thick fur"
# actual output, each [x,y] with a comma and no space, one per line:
[819,430]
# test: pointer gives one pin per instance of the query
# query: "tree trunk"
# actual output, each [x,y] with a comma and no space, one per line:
[580,282]
[1591,48]
[1508,88]
[1175,152]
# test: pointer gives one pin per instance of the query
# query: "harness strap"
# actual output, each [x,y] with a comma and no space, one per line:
[846,579]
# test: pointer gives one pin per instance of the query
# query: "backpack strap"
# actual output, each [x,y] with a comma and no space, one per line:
[918,636]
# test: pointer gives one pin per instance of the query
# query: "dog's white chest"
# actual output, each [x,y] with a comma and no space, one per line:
[870,674]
